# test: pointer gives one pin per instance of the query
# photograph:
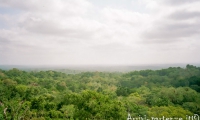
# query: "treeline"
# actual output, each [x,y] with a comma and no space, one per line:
[46,95]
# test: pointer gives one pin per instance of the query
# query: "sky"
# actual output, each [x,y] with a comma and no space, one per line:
[97,32]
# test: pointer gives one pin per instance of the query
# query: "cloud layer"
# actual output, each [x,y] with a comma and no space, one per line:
[75,32]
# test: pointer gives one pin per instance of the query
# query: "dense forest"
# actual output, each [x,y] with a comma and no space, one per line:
[46,95]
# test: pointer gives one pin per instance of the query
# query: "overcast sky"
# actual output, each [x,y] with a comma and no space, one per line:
[98,32]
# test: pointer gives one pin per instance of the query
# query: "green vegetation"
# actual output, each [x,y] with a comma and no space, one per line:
[46,95]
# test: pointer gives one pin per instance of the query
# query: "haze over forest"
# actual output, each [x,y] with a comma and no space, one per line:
[95,32]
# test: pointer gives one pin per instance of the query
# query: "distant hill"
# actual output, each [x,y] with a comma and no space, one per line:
[102,68]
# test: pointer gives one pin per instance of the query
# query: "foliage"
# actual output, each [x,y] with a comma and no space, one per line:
[171,92]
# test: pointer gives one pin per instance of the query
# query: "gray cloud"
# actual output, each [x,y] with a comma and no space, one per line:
[51,28]
[179,2]
[174,26]
[184,15]
[172,32]
[4,41]
[4,49]
[71,7]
